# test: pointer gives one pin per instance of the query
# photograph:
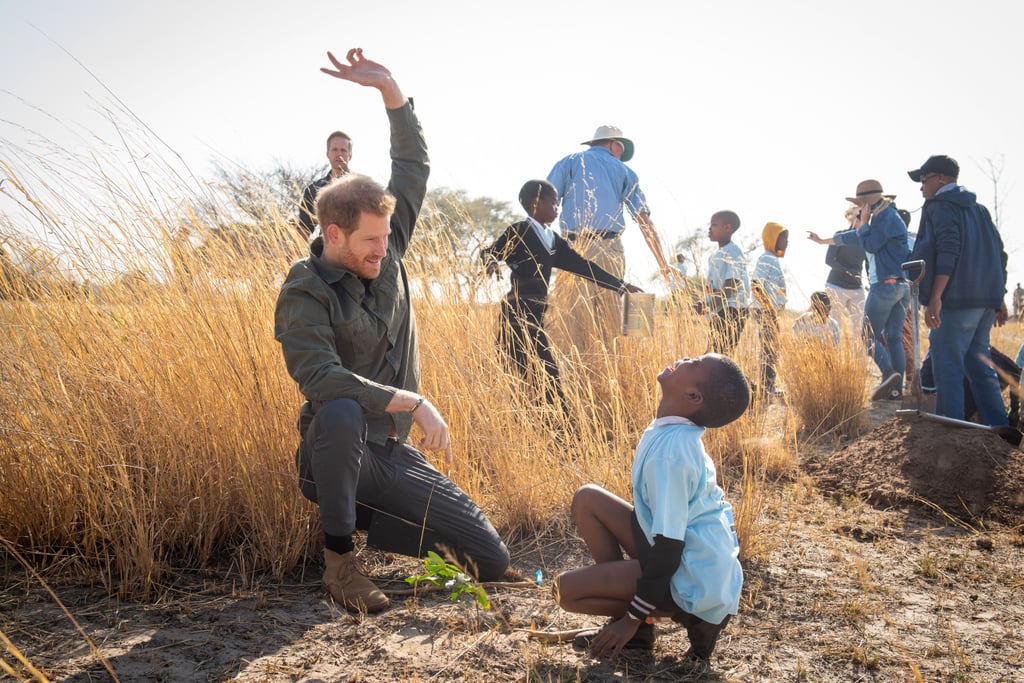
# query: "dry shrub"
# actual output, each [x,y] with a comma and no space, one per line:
[1007,338]
[146,415]
[826,385]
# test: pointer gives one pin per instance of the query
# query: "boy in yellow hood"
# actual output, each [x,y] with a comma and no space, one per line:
[768,285]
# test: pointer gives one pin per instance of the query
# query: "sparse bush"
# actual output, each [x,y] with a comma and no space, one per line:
[825,384]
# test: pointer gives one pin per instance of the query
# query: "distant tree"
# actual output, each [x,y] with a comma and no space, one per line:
[993,170]
[467,222]
[230,250]
[695,247]
[264,196]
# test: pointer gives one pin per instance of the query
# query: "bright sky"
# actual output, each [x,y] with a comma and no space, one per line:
[775,110]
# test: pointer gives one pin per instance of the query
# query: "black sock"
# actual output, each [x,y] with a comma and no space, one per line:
[339,544]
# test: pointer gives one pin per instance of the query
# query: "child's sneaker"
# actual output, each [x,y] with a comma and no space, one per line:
[888,389]
[692,666]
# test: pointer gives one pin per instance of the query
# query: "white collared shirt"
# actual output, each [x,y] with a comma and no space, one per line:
[546,234]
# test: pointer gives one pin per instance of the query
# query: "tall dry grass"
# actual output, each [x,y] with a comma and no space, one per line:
[826,385]
[149,422]
[145,405]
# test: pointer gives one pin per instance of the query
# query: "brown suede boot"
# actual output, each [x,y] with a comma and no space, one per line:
[345,581]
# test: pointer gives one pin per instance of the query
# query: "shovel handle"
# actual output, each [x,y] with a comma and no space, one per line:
[914,265]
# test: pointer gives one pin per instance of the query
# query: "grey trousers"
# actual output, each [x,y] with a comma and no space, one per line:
[406,505]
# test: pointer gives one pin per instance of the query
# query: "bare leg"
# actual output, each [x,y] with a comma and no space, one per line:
[603,589]
[604,522]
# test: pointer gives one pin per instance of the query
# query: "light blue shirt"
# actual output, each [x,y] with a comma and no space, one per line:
[594,186]
[810,327]
[728,263]
[768,270]
[676,495]
[872,271]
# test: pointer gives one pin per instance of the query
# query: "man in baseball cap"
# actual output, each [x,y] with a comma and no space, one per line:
[962,290]
[940,165]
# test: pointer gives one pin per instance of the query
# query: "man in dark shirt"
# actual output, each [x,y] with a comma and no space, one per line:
[345,324]
[339,154]
[962,290]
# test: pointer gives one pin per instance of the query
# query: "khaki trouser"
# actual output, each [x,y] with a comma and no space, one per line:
[587,315]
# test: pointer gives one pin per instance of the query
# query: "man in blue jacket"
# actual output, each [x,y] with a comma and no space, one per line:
[963,289]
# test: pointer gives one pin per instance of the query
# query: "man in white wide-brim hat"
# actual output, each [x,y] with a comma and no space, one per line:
[594,185]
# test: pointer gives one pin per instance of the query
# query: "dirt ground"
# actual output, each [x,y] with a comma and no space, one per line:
[897,557]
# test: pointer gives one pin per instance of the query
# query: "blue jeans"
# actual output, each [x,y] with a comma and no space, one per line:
[959,350]
[884,312]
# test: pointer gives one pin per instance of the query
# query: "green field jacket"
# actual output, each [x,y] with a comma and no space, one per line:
[343,337]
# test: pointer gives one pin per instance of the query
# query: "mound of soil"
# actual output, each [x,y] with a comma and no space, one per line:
[969,473]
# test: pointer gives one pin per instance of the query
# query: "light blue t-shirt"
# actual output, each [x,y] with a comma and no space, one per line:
[809,327]
[676,495]
[768,270]
[728,263]
[594,186]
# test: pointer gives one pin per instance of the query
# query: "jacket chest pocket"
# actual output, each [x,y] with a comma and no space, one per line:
[356,334]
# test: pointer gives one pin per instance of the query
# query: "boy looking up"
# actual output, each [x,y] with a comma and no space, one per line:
[679,532]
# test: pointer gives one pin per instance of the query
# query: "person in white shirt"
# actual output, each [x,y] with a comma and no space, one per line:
[817,324]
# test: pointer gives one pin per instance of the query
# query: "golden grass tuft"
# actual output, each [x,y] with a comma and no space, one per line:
[825,384]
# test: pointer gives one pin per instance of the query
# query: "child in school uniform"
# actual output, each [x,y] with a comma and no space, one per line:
[768,284]
[728,286]
[679,532]
[531,249]
[817,325]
